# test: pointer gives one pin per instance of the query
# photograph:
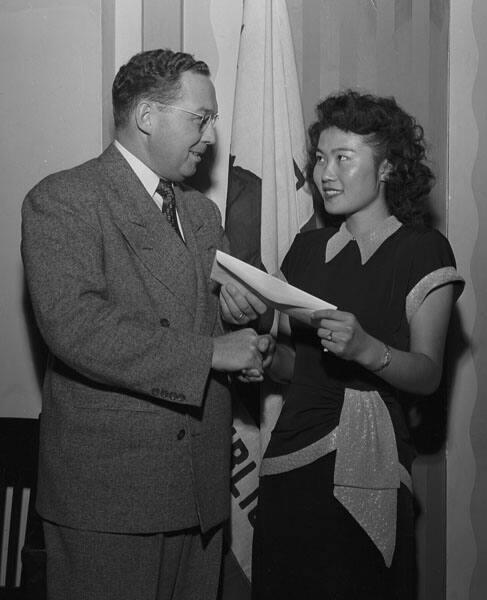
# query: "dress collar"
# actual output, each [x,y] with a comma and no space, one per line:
[367,243]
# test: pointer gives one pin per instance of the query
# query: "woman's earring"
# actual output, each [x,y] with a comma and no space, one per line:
[386,170]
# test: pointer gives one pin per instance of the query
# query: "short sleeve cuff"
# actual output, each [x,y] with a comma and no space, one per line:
[430,282]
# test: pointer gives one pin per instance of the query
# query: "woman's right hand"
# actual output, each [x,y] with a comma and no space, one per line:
[237,351]
[266,345]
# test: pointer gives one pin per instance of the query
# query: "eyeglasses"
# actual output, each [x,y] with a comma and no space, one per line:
[205,120]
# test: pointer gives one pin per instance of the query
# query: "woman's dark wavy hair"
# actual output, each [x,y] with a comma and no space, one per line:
[394,135]
[151,75]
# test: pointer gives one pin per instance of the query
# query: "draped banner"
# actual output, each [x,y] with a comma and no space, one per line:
[266,207]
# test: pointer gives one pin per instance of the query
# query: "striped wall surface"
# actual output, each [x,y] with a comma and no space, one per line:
[467,228]
[478,430]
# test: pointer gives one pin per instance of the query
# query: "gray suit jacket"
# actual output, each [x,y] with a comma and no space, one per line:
[136,427]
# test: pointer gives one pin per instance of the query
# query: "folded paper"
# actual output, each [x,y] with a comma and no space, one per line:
[273,291]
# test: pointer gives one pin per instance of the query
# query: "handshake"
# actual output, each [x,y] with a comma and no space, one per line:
[243,351]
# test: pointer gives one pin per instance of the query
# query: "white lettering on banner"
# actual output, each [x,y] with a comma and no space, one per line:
[242,468]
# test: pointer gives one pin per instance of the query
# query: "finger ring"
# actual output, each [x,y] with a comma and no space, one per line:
[240,316]
[329,337]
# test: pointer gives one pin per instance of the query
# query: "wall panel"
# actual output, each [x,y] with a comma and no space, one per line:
[51,107]
[467,451]
[162,24]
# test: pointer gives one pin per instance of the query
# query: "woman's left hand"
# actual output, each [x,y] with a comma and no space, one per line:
[341,333]
[266,345]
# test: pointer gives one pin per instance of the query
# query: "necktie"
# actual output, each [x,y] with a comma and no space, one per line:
[165,190]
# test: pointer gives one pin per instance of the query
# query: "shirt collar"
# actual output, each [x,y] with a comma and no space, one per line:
[148,178]
[367,243]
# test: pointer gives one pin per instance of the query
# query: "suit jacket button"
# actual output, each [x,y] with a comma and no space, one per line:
[164,322]
[181,434]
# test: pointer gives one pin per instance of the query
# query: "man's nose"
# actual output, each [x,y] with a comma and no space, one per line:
[209,135]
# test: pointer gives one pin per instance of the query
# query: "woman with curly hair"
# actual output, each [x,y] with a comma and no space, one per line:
[335,515]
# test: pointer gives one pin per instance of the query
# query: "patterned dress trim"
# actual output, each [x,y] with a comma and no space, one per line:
[367,469]
[427,284]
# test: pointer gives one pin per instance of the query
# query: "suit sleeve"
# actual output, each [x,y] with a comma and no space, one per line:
[101,338]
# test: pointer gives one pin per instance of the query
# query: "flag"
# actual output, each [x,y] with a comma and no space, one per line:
[266,206]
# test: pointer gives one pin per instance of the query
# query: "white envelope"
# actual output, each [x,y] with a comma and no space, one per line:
[271,290]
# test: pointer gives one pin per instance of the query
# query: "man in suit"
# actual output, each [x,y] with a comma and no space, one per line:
[134,456]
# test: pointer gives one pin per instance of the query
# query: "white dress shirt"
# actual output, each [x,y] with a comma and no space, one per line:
[148,178]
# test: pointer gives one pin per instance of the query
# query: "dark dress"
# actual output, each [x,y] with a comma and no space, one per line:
[335,515]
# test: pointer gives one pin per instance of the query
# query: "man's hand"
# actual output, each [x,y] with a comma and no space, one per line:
[239,307]
[237,351]
[266,345]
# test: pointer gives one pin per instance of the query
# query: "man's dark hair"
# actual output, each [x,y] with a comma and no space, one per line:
[393,134]
[151,75]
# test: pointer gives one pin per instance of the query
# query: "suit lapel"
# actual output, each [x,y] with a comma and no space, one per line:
[147,231]
[201,243]
[203,237]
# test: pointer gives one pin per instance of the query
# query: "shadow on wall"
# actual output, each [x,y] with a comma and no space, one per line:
[38,348]
[428,415]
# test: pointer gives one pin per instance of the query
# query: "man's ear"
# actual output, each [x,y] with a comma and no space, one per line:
[144,117]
